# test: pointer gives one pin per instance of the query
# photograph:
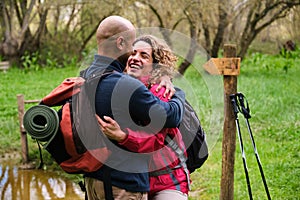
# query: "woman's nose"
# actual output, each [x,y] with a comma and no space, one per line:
[136,57]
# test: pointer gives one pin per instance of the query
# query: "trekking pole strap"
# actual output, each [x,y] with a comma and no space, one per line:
[245,110]
[233,100]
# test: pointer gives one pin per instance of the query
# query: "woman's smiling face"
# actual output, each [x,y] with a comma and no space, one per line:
[140,62]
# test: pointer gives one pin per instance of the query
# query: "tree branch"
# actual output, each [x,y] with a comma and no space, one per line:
[161,23]
[25,23]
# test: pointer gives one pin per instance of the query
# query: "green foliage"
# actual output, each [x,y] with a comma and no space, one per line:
[285,60]
[36,61]
[30,61]
[290,54]
[51,61]
[55,53]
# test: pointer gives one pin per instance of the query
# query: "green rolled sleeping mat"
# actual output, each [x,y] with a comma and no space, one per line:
[41,122]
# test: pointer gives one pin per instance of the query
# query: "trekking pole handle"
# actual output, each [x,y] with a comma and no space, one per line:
[245,110]
[234,104]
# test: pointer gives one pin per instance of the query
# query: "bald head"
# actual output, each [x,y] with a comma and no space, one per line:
[111,26]
[115,36]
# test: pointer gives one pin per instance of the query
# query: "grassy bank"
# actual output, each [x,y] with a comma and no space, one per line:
[273,96]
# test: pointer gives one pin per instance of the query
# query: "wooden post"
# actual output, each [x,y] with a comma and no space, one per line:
[229,132]
[229,67]
[4,65]
[24,143]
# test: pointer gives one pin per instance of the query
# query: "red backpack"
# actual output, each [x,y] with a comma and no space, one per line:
[71,135]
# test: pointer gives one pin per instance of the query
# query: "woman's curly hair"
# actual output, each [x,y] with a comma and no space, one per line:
[164,60]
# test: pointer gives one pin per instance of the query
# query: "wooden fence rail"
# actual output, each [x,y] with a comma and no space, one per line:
[4,66]
[21,111]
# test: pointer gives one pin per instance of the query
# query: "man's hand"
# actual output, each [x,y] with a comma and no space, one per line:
[165,81]
[111,129]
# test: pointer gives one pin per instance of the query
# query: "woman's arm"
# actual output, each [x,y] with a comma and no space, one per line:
[165,81]
[136,141]
[111,129]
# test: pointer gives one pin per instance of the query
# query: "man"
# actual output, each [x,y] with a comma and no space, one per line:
[130,103]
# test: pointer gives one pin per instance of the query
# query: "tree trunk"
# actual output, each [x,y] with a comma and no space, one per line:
[245,43]
[223,22]
[191,53]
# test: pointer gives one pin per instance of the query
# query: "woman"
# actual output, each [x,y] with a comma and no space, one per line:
[151,59]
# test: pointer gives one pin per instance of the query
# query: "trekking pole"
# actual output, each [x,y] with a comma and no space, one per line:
[246,112]
[236,110]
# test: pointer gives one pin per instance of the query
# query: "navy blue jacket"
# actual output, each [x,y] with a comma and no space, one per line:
[133,106]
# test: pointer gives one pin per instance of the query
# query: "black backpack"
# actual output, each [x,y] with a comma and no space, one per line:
[194,139]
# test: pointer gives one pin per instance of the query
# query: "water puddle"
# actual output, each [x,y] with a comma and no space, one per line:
[19,184]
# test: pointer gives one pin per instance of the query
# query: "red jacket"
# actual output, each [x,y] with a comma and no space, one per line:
[161,155]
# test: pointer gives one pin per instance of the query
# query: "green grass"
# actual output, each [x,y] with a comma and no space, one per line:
[33,85]
[273,96]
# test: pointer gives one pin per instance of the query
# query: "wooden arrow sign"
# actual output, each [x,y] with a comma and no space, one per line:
[223,66]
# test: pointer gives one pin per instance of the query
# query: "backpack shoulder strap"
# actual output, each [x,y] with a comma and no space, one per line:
[97,75]
[181,157]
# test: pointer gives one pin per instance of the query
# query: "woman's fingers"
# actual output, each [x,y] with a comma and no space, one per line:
[111,122]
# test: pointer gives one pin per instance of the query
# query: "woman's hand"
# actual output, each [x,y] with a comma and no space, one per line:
[165,81]
[111,129]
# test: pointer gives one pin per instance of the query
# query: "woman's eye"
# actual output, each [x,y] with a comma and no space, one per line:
[145,56]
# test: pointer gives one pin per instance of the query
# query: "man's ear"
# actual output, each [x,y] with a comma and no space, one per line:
[120,42]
